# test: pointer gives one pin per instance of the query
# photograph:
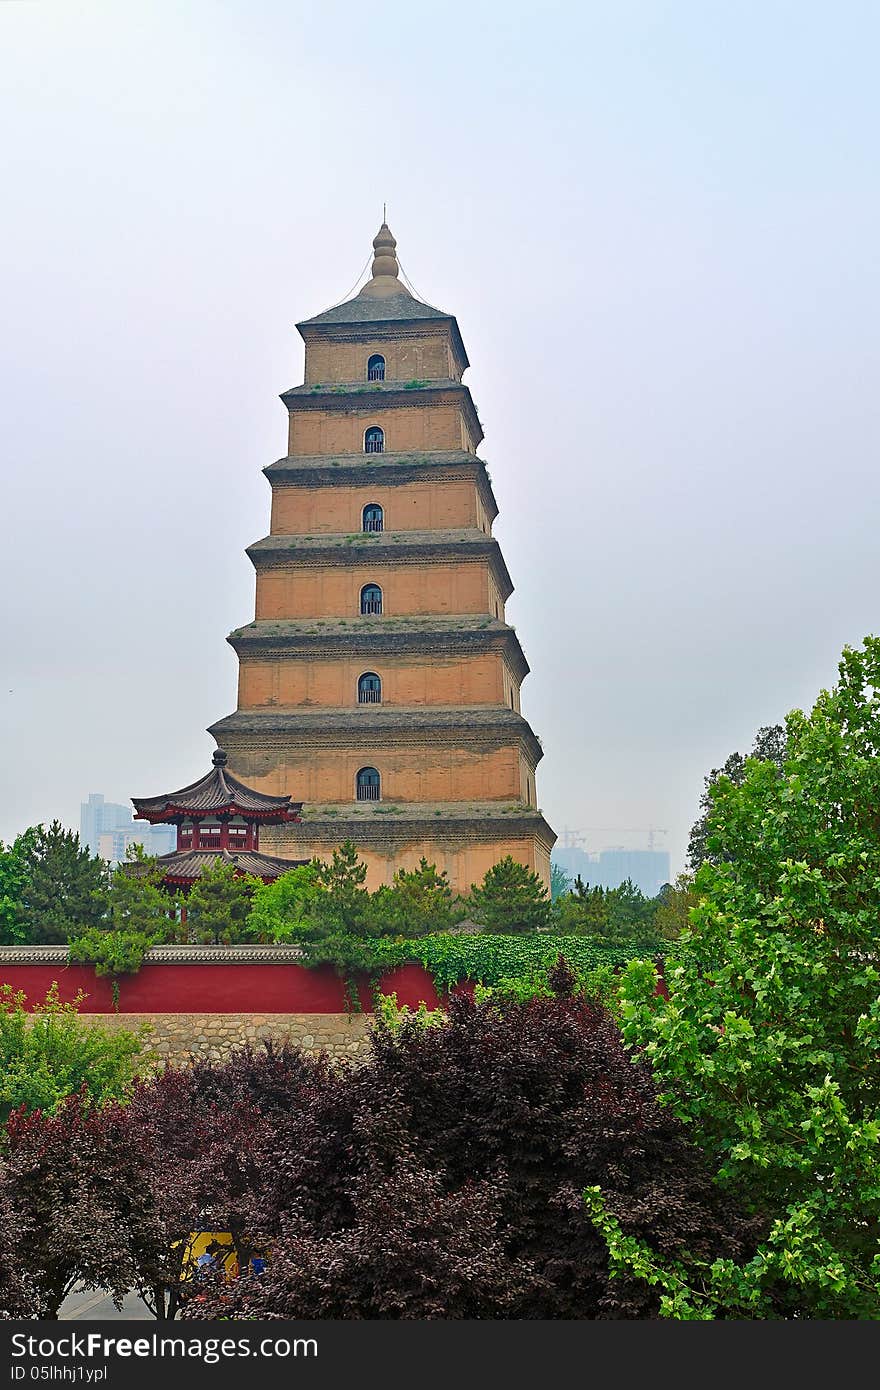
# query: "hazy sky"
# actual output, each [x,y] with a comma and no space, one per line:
[657,224]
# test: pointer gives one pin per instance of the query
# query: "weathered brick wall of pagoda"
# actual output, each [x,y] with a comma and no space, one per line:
[380,564]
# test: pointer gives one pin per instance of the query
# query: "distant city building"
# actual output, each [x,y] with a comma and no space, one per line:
[155,840]
[97,816]
[648,869]
[108,830]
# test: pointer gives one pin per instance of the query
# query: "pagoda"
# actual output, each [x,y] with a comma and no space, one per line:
[218,820]
[380,677]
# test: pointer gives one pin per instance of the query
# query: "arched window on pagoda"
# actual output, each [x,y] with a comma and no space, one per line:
[368,784]
[371,599]
[369,689]
[373,517]
[374,440]
[376,367]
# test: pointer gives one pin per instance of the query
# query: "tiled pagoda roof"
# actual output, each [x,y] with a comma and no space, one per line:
[183,867]
[390,309]
[217,793]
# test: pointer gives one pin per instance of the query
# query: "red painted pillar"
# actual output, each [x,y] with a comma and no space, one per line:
[224,833]
[195,834]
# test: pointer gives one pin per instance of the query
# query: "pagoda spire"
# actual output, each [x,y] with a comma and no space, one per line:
[383,281]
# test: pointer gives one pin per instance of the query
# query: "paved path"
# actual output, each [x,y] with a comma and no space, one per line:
[93,1305]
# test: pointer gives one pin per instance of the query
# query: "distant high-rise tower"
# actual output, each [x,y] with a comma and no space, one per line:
[98,817]
[379,683]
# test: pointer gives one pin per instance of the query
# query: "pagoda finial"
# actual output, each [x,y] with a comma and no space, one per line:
[384,279]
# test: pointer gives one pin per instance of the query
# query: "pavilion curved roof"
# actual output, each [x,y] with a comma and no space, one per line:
[217,793]
[182,867]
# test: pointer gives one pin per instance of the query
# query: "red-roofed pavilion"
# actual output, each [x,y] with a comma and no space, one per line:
[218,819]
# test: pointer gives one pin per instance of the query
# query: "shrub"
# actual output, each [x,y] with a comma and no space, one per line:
[418,901]
[140,915]
[195,1130]
[71,1177]
[444,1176]
[49,1054]
[280,911]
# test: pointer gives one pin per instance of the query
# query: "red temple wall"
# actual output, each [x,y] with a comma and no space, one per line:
[203,987]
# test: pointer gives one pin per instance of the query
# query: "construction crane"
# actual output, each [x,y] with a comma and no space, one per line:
[576,839]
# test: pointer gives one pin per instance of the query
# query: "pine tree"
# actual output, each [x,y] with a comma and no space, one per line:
[419,901]
[510,899]
[218,905]
[65,889]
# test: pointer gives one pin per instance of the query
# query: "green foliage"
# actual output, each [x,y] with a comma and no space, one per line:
[624,913]
[110,951]
[769,1045]
[510,899]
[395,1017]
[281,911]
[341,929]
[218,905]
[49,1054]
[600,981]
[49,886]
[559,882]
[14,873]
[137,902]
[616,913]
[769,746]
[139,917]
[582,909]
[489,958]
[673,906]
[419,901]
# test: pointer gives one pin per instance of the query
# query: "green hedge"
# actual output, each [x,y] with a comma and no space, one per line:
[488,958]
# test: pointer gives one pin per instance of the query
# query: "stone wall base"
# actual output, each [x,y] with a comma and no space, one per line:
[180,1038]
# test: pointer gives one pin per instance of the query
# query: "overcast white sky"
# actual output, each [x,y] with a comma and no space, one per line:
[657,224]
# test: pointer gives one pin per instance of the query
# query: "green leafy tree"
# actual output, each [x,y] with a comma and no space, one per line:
[341,928]
[14,872]
[218,905]
[48,1054]
[419,901]
[583,909]
[769,746]
[510,899]
[619,913]
[673,906]
[281,911]
[137,901]
[140,914]
[63,890]
[344,905]
[769,1043]
[630,913]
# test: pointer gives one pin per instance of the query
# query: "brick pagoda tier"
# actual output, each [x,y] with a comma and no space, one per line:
[380,678]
